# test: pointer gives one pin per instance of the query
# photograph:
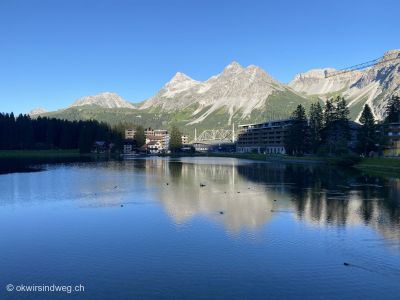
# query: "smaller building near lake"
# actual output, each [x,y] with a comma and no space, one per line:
[394,144]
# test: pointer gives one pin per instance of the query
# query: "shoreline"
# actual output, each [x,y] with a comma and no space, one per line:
[387,164]
[49,153]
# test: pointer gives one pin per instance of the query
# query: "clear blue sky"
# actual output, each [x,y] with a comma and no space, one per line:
[53,52]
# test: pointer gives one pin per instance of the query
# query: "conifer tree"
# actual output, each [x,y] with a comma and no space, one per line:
[12,136]
[366,133]
[140,136]
[175,142]
[119,143]
[393,109]
[337,128]
[297,134]
[85,140]
[316,125]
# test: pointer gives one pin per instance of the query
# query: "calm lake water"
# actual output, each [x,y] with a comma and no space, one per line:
[254,231]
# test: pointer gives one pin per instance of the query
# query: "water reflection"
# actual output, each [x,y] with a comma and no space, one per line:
[249,195]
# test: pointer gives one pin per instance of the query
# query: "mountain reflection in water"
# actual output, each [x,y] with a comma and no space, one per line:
[198,228]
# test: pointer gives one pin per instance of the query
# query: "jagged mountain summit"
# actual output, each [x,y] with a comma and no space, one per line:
[373,85]
[237,91]
[105,100]
[39,110]
[242,95]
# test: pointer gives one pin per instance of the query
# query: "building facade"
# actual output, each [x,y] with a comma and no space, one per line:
[265,137]
[185,139]
[394,143]
[148,131]
[167,137]
[130,133]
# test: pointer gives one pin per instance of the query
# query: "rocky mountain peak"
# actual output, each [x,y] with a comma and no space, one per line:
[233,67]
[391,54]
[39,110]
[180,77]
[106,100]
[316,73]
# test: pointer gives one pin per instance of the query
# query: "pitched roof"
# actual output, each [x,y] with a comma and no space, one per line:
[131,128]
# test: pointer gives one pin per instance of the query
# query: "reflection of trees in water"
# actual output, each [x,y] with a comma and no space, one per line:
[175,169]
[311,186]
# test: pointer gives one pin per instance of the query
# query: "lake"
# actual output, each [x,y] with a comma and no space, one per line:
[146,229]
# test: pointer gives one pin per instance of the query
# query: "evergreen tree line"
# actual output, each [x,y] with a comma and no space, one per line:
[24,133]
[327,130]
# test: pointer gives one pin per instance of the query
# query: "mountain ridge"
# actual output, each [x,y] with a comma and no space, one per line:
[242,95]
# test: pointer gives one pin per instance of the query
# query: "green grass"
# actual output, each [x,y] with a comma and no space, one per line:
[47,153]
[356,108]
[381,161]
[334,95]
[388,164]
[263,157]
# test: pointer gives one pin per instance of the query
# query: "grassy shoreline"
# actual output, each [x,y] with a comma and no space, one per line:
[386,164]
[48,153]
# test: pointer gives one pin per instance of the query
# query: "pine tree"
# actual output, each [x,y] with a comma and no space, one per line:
[175,142]
[13,138]
[366,133]
[393,109]
[337,128]
[85,140]
[342,114]
[316,125]
[119,143]
[297,134]
[51,133]
[66,136]
[140,136]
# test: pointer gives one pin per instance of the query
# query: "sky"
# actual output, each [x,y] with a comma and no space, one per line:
[53,52]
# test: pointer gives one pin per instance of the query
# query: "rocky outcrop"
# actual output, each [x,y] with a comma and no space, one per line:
[37,111]
[374,85]
[105,100]
[314,82]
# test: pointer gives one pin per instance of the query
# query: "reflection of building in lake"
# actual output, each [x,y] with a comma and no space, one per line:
[327,196]
[184,199]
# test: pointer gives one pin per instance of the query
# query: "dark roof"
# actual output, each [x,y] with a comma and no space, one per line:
[148,128]
[154,137]
[152,143]
[130,141]
[100,143]
[131,128]
[160,131]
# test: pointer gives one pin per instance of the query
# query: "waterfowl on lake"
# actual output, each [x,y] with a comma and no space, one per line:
[221,212]
[122,205]
[202,185]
